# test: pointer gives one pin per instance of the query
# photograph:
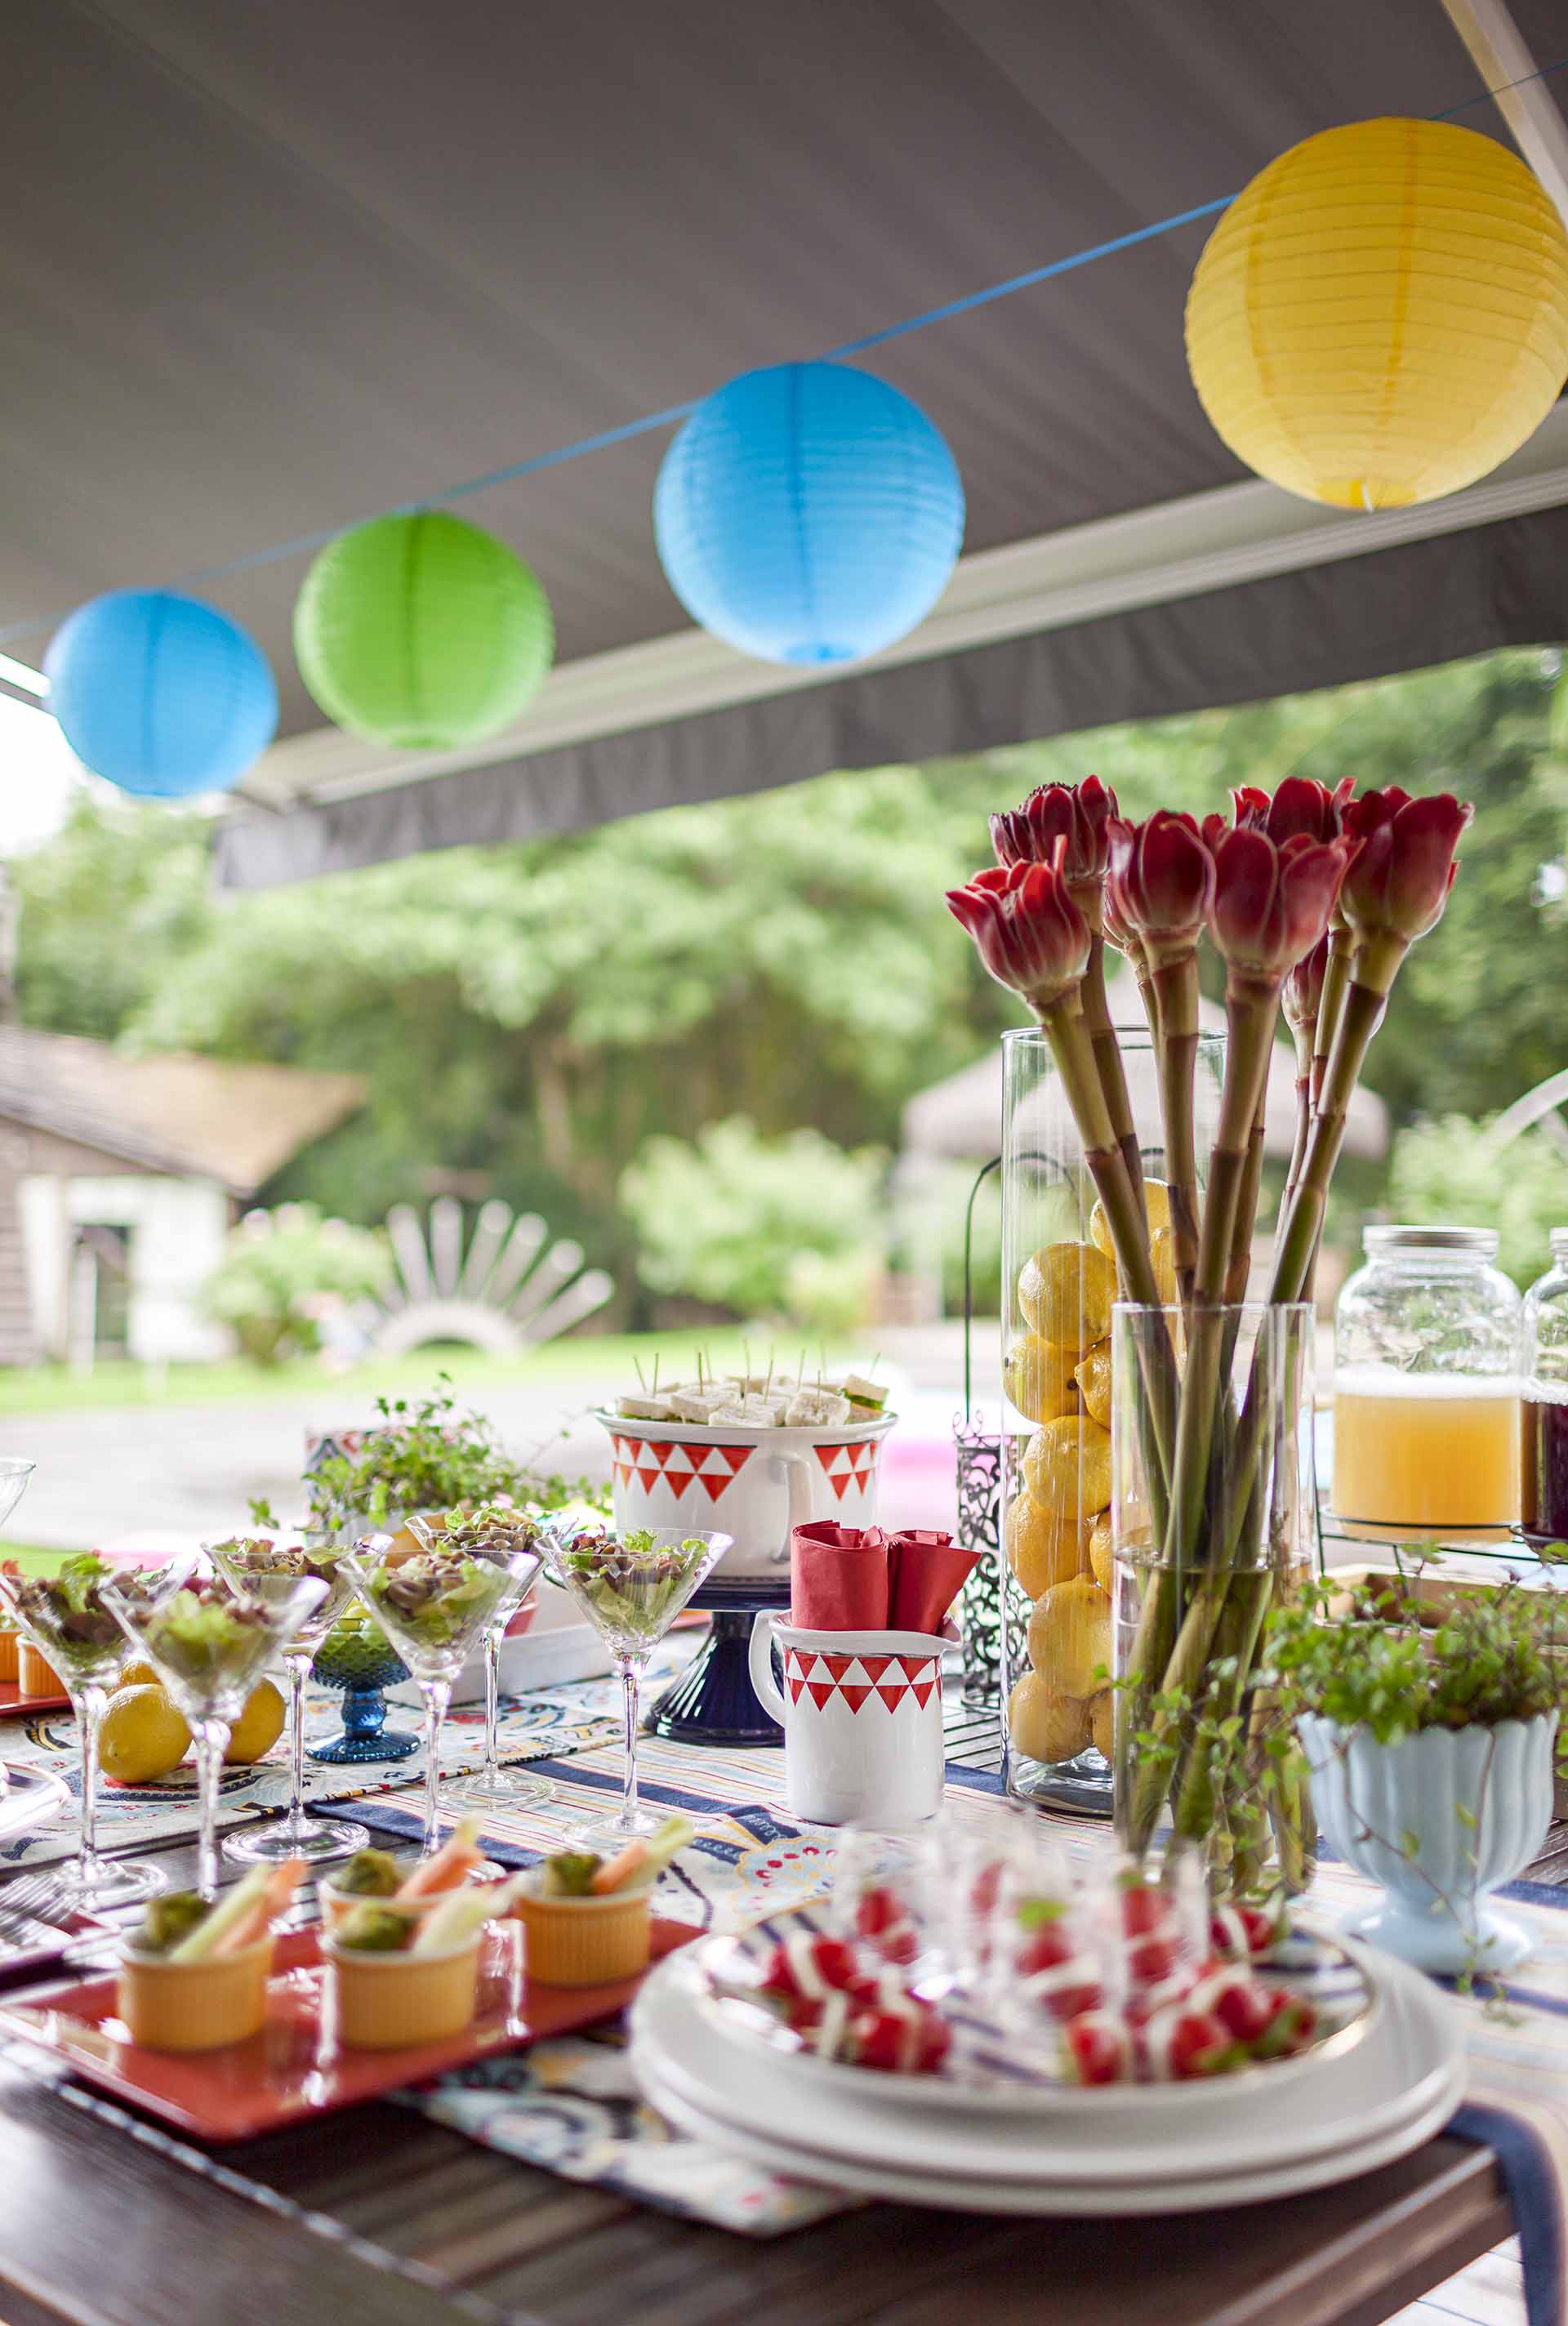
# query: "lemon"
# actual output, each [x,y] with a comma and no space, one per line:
[1102,1723]
[138,1674]
[1039,1378]
[1093,1378]
[1065,1292]
[1070,1636]
[1156,1202]
[1043,1723]
[259,1725]
[1101,1552]
[1042,1547]
[1067,1466]
[143,1735]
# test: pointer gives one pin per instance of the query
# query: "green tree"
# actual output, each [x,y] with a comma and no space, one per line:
[533,1014]
[107,908]
[747,1221]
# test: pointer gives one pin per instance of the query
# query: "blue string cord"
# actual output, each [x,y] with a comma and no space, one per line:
[651,422]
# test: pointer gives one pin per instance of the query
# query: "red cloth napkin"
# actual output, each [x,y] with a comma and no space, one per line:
[847,1578]
[837,1578]
[925,1572]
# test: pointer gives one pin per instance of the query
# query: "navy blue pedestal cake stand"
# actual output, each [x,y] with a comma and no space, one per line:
[713,1701]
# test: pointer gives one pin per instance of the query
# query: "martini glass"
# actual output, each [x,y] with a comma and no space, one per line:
[434,1605]
[208,1645]
[631,1587]
[14,1473]
[267,1570]
[67,1618]
[496,1530]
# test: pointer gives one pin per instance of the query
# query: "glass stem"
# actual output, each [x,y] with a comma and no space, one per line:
[437,1694]
[89,1714]
[212,1740]
[630,1668]
[298,1667]
[492,1709]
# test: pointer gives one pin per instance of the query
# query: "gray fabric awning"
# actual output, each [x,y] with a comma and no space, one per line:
[270,270]
[1502,585]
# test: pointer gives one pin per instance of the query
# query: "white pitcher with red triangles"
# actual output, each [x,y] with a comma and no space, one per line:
[861,1714]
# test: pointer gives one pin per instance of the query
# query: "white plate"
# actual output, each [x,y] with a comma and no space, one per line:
[1410,2065]
[957,2193]
[31,1798]
[984,2076]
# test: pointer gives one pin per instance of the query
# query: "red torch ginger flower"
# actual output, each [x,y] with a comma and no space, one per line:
[1077,814]
[1398,883]
[1029,932]
[1271,904]
[1303,989]
[1161,882]
[1303,805]
[1249,803]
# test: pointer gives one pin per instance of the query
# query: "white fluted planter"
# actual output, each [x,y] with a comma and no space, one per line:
[1476,1803]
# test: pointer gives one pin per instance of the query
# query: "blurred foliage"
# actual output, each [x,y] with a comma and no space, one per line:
[1453,1171]
[785,1226]
[280,1271]
[533,1014]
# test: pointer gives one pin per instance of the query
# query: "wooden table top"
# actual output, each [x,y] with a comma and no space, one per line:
[378,2215]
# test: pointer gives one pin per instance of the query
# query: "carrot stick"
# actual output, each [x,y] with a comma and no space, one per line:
[452,1863]
[616,1870]
[259,1918]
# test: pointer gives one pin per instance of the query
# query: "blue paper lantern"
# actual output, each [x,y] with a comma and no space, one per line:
[809,513]
[162,694]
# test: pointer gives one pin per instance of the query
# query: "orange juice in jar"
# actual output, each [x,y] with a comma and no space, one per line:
[1434,1456]
[1426,1390]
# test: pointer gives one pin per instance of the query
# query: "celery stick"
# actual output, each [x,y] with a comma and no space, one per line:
[223,1917]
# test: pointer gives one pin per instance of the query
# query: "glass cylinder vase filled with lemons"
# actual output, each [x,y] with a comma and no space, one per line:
[1059,1288]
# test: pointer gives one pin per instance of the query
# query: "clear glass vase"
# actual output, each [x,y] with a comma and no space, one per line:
[1058,1286]
[1213,1518]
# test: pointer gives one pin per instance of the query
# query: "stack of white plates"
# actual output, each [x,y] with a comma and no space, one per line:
[1043,2148]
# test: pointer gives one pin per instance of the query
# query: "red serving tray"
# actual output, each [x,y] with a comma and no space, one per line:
[13,1704]
[293,2070]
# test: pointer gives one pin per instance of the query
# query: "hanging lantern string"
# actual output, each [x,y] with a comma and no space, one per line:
[304,543]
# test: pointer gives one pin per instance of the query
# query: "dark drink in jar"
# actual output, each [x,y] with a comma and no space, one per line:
[1544,1481]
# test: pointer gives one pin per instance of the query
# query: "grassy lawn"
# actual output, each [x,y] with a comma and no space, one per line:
[593,1364]
[32,1557]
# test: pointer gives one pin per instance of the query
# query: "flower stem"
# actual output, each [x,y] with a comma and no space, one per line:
[1108,1061]
[1331,1004]
[1175,986]
[1062,1022]
[1239,1268]
[1302,1224]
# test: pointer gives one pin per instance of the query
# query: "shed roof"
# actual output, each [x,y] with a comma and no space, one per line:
[170,1113]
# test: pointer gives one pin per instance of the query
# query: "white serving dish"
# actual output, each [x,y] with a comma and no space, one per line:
[1232,2145]
[757,1484]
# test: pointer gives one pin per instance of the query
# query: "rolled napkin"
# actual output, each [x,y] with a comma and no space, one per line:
[846,1578]
[837,1578]
[926,1572]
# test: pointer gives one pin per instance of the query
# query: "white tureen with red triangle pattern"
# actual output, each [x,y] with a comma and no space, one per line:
[756,1485]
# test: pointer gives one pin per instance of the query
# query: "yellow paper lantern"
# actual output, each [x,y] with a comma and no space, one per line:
[1382,315]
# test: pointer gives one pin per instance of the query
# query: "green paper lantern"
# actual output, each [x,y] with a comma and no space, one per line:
[421,631]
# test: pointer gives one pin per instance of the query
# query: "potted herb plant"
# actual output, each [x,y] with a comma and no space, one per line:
[424,1458]
[1431,1751]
